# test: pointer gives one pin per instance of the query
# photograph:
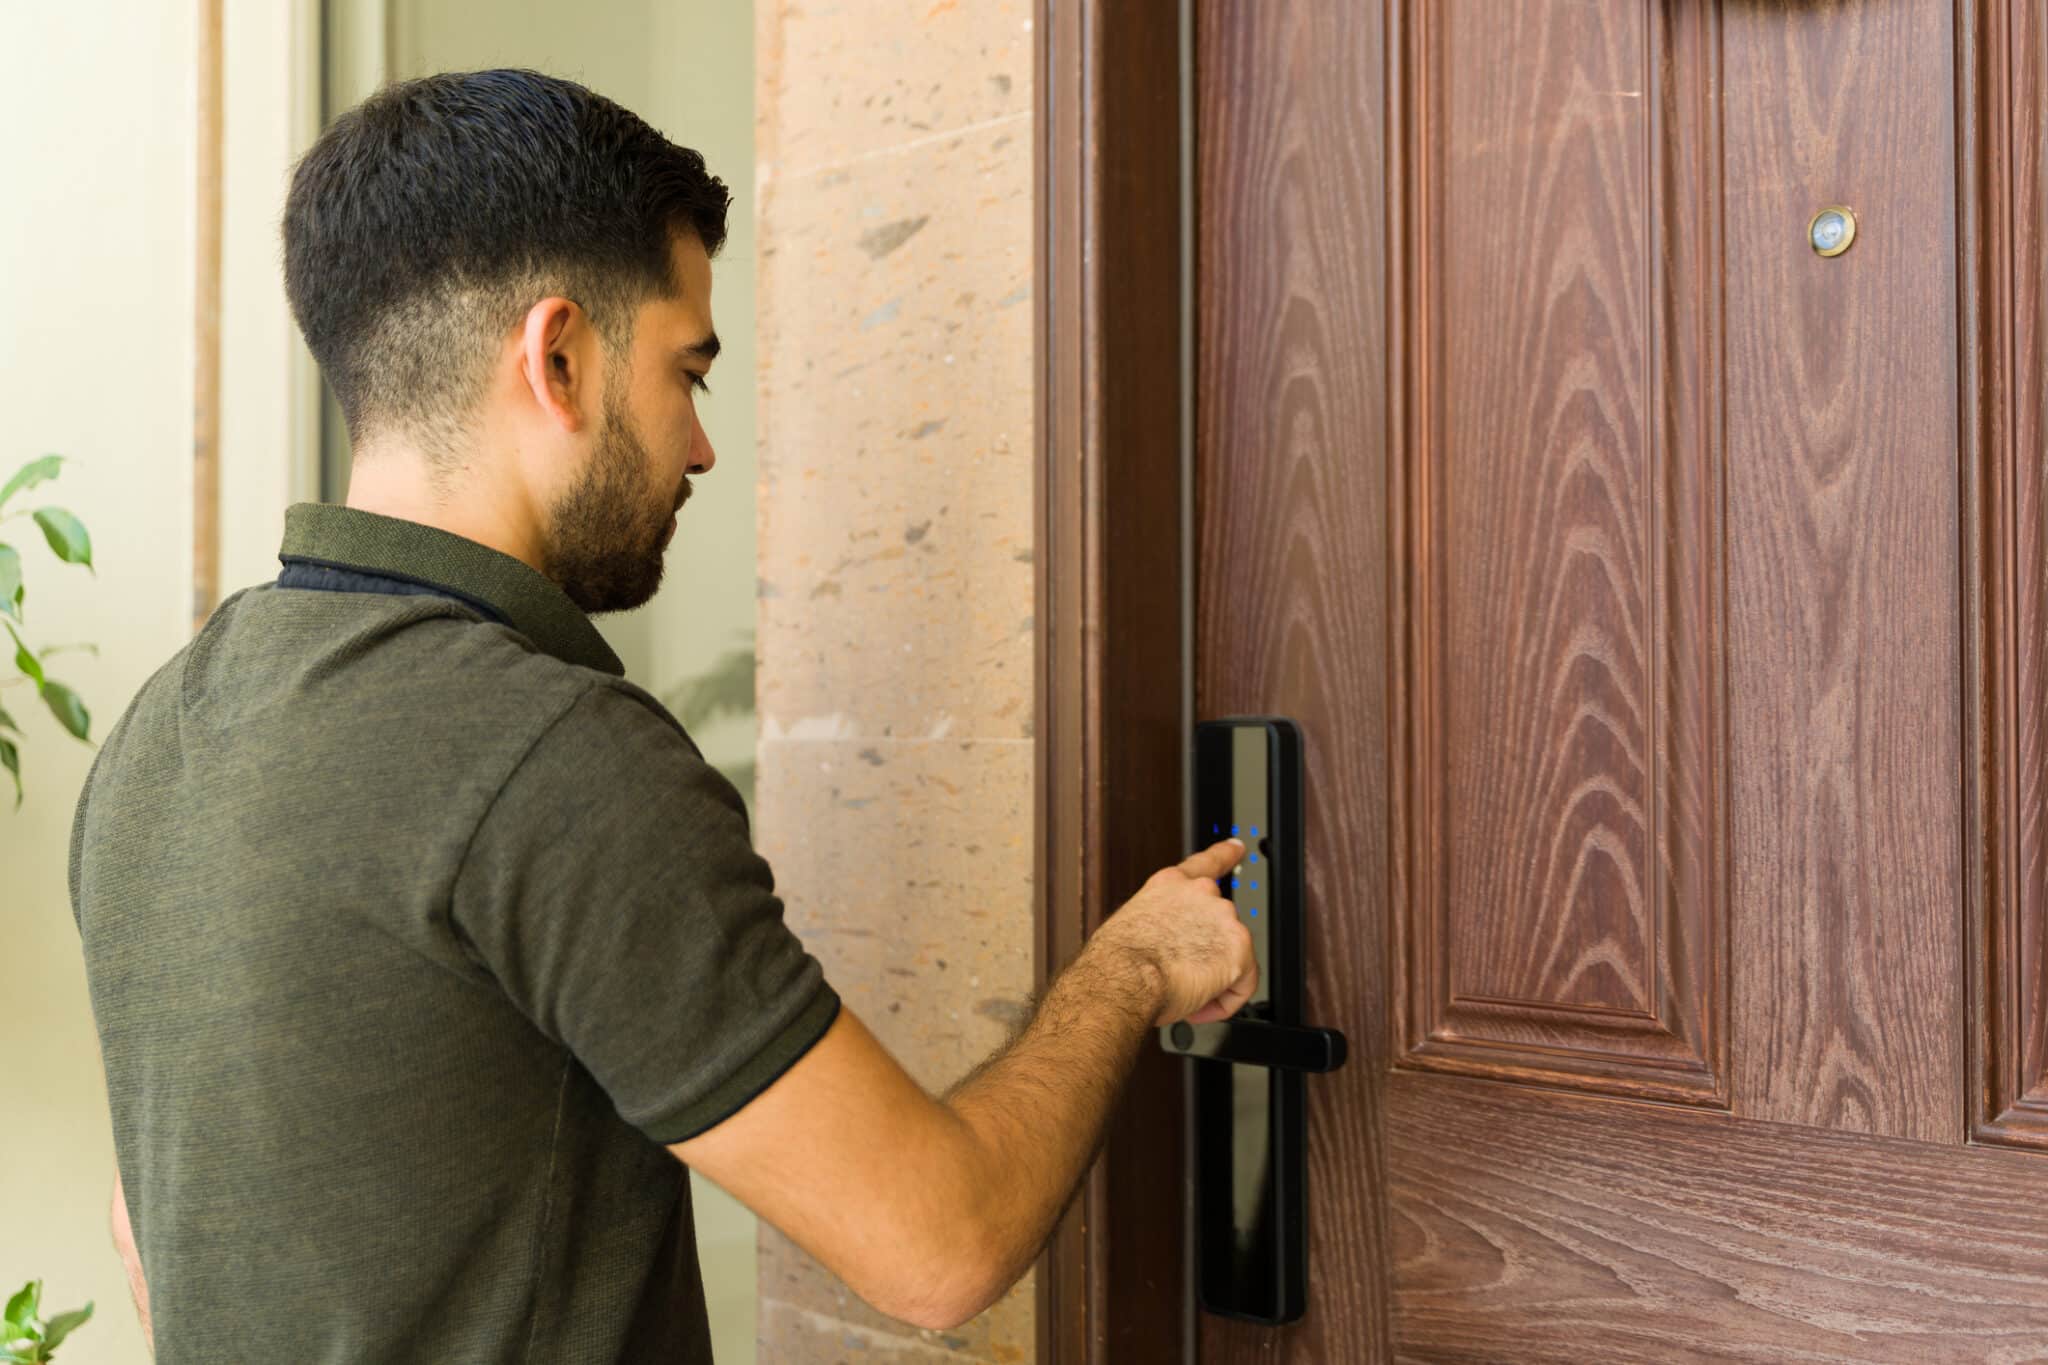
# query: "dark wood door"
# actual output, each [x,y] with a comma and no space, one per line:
[1661,602]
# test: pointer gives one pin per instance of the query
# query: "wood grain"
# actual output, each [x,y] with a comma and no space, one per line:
[1291,576]
[1534,1227]
[1110,732]
[1558,800]
[1843,655]
[1676,556]
[2004,291]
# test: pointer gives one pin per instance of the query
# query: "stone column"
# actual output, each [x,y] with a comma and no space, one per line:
[895,439]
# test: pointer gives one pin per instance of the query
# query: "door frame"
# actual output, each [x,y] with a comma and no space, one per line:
[1111,665]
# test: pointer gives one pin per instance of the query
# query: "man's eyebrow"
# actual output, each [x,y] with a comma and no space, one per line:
[705,350]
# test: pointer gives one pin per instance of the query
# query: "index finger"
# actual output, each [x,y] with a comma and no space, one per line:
[1215,860]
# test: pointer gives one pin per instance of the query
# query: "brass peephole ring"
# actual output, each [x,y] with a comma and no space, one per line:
[1833,230]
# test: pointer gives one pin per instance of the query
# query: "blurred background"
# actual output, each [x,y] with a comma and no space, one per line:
[880,163]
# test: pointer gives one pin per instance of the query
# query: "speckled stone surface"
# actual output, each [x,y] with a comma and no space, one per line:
[894,279]
[905,866]
[803,1336]
[860,78]
[895,425]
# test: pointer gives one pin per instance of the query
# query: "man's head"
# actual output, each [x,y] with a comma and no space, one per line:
[508,277]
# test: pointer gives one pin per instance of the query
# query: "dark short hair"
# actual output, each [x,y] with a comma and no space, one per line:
[425,221]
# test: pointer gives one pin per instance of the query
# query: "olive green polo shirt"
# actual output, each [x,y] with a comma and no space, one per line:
[413,931]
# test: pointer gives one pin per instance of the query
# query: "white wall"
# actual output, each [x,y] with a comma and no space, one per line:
[96,363]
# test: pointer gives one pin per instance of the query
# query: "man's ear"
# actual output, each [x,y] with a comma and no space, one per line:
[557,358]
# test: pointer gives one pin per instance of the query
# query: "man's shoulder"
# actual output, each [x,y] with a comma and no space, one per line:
[412,690]
[425,652]
[614,724]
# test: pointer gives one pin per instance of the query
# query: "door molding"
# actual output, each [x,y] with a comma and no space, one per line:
[2002,87]
[1109,654]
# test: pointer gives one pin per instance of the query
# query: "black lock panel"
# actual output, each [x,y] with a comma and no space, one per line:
[1251,1131]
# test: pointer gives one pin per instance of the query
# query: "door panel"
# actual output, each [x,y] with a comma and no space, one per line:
[1557,800]
[1843,665]
[1662,605]
[1530,1227]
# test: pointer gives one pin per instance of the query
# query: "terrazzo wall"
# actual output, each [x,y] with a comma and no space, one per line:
[894,798]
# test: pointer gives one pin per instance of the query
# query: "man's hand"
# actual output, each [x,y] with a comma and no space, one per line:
[1180,926]
[124,1242]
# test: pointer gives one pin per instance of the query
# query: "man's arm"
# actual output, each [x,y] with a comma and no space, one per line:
[124,1242]
[931,1209]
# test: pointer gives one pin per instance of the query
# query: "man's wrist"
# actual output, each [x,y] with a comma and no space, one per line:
[1127,973]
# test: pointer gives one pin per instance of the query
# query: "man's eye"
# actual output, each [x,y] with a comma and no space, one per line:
[697,383]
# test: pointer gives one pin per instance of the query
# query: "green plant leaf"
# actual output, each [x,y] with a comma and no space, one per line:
[87,646]
[31,474]
[8,722]
[66,534]
[26,661]
[22,1306]
[10,578]
[8,1357]
[63,1324]
[725,688]
[65,705]
[10,759]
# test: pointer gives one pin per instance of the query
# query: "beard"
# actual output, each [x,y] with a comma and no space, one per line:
[606,545]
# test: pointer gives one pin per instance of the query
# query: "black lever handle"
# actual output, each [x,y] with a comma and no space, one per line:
[1252,1042]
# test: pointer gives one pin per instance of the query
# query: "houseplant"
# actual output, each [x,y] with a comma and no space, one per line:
[67,538]
[24,1334]
[25,1337]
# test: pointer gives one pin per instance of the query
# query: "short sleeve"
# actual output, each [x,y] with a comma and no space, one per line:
[614,893]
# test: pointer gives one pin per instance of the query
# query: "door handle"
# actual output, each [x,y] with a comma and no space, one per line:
[1248,1042]
[1247,1072]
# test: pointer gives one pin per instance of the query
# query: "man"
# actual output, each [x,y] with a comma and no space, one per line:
[425,950]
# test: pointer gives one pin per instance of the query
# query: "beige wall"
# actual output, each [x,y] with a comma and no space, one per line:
[95,363]
[895,145]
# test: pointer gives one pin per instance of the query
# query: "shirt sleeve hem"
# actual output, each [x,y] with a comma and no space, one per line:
[762,1070]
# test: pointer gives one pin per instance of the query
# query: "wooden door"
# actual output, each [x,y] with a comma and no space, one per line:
[1662,605]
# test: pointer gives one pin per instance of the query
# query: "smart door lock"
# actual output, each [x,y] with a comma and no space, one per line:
[1251,1127]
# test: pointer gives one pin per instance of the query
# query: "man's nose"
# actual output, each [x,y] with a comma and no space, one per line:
[702,457]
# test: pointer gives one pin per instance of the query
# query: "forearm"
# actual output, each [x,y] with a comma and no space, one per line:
[1035,1115]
